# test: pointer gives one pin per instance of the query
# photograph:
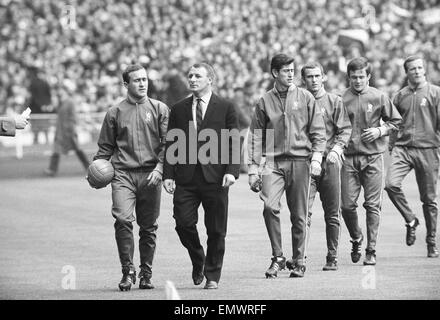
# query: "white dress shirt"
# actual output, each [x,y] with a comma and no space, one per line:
[205,101]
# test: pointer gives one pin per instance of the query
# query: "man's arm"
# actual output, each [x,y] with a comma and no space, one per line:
[168,169]
[234,143]
[256,138]
[343,127]
[107,137]
[163,127]
[391,117]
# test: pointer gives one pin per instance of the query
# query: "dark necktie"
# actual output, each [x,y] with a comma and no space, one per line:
[199,113]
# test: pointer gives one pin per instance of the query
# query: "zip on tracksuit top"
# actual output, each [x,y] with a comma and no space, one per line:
[298,128]
[133,134]
[420,110]
[366,109]
[337,123]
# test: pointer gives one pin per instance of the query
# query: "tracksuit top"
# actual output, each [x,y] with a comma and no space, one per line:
[337,123]
[298,127]
[133,134]
[366,109]
[420,110]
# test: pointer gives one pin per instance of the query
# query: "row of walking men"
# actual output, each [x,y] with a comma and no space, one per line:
[319,142]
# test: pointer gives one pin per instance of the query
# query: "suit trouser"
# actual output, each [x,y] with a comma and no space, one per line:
[362,171]
[328,184]
[293,177]
[426,166]
[130,192]
[214,199]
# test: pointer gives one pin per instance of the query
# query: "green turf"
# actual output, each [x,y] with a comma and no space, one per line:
[49,223]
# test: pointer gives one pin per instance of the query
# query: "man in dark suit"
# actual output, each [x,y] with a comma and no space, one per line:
[200,170]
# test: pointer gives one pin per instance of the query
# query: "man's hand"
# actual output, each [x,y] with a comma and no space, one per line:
[228,180]
[169,185]
[21,121]
[370,134]
[315,168]
[154,178]
[255,182]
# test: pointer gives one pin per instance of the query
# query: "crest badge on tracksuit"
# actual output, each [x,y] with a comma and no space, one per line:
[148,116]
[423,103]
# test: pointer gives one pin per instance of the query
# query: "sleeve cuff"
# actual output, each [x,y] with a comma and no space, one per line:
[159,168]
[317,156]
[338,149]
[253,169]
[383,131]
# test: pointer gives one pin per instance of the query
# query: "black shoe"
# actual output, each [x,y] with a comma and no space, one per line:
[145,280]
[370,257]
[128,278]
[432,251]
[277,264]
[298,271]
[290,264]
[197,277]
[211,284]
[356,250]
[331,264]
[411,232]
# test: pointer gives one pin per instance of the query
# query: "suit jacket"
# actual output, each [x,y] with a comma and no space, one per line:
[7,126]
[220,114]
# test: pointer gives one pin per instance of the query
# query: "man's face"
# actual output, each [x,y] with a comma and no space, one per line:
[198,81]
[138,85]
[359,79]
[313,79]
[415,72]
[284,76]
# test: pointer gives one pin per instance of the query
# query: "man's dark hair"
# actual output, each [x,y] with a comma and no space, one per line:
[128,70]
[411,59]
[311,65]
[209,69]
[358,64]
[280,60]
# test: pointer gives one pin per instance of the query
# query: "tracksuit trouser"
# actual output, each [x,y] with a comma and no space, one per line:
[131,193]
[364,171]
[425,163]
[293,177]
[328,184]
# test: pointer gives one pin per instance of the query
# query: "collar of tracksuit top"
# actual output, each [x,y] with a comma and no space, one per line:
[321,92]
[132,100]
[417,87]
[364,90]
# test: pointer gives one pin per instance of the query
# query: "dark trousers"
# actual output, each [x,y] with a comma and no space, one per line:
[364,171]
[130,193]
[328,184]
[214,199]
[293,177]
[425,163]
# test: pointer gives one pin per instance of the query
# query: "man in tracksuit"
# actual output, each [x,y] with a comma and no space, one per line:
[133,136]
[417,146]
[328,184]
[288,123]
[363,165]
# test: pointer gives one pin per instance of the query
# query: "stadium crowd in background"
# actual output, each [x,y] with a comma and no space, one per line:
[90,42]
